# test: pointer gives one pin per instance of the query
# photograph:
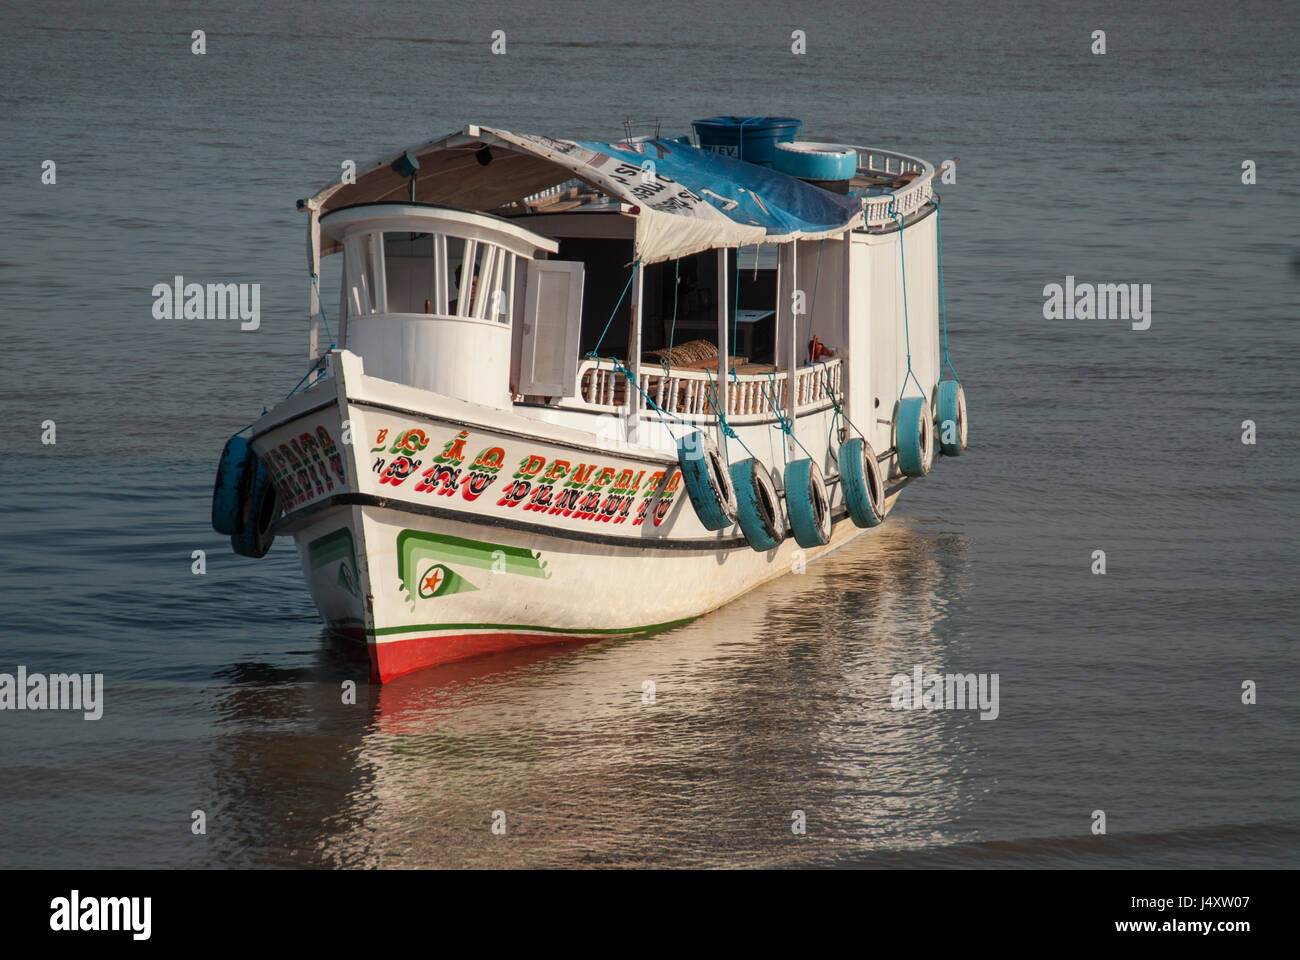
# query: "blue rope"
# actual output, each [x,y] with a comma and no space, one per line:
[735,305]
[672,334]
[943,306]
[771,402]
[318,365]
[315,282]
[624,371]
[722,420]
[785,425]
[839,414]
[907,333]
[627,375]
[614,312]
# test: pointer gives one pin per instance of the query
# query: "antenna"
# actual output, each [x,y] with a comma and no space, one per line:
[629,125]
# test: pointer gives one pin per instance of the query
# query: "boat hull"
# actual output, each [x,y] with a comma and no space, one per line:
[436,591]
[436,530]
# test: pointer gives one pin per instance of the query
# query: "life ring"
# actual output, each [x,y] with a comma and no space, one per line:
[952,409]
[758,509]
[262,509]
[864,490]
[708,483]
[231,485]
[807,503]
[816,161]
[914,436]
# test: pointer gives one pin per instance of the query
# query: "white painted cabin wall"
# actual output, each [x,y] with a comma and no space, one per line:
[877,364]
[456,357]
[821,277]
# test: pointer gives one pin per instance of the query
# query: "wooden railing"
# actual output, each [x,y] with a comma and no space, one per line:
[691,394]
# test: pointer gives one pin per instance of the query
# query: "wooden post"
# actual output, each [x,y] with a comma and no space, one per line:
[313,266]
[723,299]
[854,393]
[794,346]
[633,397]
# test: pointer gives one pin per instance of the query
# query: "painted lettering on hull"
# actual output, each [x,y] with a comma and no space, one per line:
[540,484]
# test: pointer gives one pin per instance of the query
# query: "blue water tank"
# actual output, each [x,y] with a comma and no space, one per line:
[752,139]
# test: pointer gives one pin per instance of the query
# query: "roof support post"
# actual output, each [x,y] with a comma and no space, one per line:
[633,396]
[853,392]
[723,300]
[790,383]
[313,278]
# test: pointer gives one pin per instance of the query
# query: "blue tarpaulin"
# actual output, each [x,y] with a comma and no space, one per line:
[692,199]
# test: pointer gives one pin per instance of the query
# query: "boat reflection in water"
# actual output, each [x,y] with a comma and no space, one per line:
[778,702]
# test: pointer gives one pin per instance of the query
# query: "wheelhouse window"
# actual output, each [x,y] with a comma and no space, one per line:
[410,271]
[364,295]
[429,273]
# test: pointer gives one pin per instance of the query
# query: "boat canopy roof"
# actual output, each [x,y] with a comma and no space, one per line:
[685,200]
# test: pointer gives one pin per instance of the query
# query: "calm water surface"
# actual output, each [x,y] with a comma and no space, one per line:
[1119,693]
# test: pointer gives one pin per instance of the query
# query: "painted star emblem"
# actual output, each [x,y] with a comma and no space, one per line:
[433,581]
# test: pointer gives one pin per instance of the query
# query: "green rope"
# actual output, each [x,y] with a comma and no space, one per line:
[907,333]
[839,414]
[727,432]
[735,309]
[318,365]
[627,375]
[771,402]
[839,410]
[785,424]
[315,282]
[672,334]
[943,306]
[613,313]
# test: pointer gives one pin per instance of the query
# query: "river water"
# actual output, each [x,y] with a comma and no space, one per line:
[1119,693]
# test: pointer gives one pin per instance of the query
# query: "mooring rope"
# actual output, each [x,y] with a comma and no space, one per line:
[315,282]
[727,431]
[783,423]
[907,333]
[636,264]
[619,368]
[943,306]
[672,333]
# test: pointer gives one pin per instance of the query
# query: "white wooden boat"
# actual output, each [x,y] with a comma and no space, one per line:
[555,445]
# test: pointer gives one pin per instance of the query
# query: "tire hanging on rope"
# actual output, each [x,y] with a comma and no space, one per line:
[231,486]
[807,503]
[864,490]
[708,482]
[261,510]
[951,417]
[949,396]
[758,506]
[914,436]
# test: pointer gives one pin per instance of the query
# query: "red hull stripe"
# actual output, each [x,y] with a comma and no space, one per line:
[393,658]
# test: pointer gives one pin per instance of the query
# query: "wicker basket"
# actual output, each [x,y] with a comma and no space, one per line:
[693,351]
